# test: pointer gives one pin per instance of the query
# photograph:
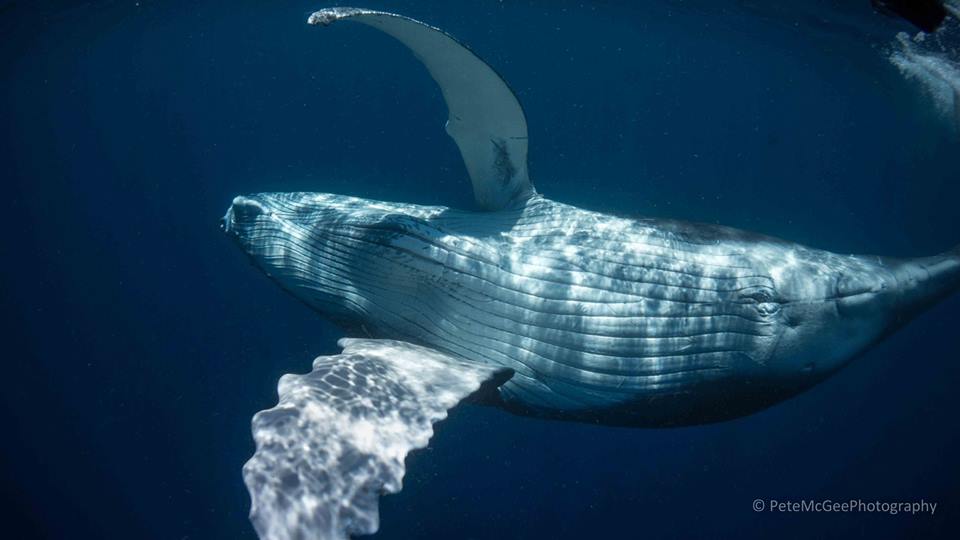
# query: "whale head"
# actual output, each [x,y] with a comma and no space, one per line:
[829,307]
[319,246]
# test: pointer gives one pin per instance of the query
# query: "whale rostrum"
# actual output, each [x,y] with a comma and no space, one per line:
[536,306]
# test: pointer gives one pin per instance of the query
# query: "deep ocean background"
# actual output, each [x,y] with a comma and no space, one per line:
[138,341]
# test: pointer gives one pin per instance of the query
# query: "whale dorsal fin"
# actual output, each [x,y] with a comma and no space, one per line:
[338,437]
[485,118]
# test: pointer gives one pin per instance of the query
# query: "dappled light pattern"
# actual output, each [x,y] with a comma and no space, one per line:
[337,439]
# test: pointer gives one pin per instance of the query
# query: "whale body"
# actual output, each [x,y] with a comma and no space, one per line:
[604,319]
[536,306]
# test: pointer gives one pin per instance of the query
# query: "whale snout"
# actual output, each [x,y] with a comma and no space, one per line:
[242,212]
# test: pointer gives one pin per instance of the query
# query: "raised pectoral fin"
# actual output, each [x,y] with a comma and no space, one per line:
[338,437]
[485,117]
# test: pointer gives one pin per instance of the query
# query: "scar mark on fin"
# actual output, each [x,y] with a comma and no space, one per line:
[501,162]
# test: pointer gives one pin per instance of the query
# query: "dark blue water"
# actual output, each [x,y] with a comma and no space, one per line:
[138,341]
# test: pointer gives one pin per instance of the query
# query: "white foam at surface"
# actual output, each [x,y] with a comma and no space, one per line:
[933,61]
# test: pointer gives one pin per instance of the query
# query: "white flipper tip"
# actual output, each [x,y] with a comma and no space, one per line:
[328,16]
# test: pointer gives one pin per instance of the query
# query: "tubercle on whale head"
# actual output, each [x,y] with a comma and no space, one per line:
[242,209]
[297,212]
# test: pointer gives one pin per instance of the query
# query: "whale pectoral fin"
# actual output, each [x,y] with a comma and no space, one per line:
[485,117]
[338,437]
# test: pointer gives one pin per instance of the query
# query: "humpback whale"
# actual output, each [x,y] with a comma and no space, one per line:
[529,304]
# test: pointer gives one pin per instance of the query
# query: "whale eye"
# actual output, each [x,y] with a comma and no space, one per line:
[763,299]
